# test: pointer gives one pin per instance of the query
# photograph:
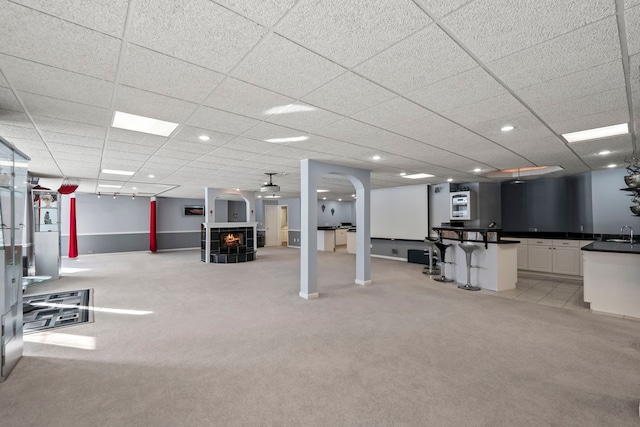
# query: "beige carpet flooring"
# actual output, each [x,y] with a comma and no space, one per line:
[234,345]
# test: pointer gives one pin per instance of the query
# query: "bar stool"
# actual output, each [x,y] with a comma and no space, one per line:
[443,249]
[468,249]
[431,270]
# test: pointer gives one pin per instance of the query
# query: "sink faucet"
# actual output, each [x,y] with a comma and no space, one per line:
[630,231]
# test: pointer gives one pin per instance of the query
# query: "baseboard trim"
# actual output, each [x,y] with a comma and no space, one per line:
[389,257]
[308,296]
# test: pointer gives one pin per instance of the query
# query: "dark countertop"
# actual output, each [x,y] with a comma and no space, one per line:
[622,248]
[476,229]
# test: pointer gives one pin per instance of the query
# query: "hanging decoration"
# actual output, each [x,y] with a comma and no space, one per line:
[69,185]
[633,184]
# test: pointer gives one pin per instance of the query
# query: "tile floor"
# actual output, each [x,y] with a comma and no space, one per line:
[554,291]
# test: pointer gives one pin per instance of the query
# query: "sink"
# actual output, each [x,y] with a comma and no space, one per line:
[620,240]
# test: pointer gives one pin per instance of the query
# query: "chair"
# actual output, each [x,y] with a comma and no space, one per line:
[468,249]
[442,248]
[431,247]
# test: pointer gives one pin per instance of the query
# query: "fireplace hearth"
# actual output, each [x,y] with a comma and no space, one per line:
[227,244]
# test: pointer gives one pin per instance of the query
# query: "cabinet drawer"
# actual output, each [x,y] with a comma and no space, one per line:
[539,242]
[566,243]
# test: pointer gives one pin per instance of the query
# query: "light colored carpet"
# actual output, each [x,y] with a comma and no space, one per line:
[234,345]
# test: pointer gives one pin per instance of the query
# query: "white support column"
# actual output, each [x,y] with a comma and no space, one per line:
[311,171]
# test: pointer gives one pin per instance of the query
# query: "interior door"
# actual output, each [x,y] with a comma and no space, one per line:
[271,225]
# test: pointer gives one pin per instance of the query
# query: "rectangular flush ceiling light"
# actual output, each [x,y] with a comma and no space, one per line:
[597,133]
[143,124]
[117,172]
[418,176]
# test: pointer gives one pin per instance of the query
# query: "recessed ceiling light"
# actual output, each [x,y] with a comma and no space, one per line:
[290,139]
[109,186]
[450,180]
[403,173]
[353,195]
[259,197]
[604,152]
[339,200]
[322,191]
[477,170]
[117,172]
[151,176]
[288,109]
[237,189]
[134,188]
[507,128]
[603,132]
[324,198]
[204,138]
[143,124]
[376,157]
[612,165]
[418,176]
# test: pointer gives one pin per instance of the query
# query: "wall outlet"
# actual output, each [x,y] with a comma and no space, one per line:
[394,252]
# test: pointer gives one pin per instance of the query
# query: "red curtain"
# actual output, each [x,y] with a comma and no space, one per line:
[153,243]
[73,235]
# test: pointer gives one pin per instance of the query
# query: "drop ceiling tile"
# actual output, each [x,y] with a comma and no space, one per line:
[249,145]
[527,127]
[176,154]
[604,118]
[245,99]
[462,89]
[221,121]
[576,51]
[265,12]
[130,148]
[285,67]
[632,24]
[417,61]
[8,101]
[3,81]
[59,149]
[199,31]
[191,134]
[266,130]
[347,129]
[148,104]
[39,37]
[191,147]
[80,141]
[369,27]
[348,94]
[65,110]
[576,85]
[496,28]
[69,127]
[106,16]
[493,108]
[132,137]
[170,163]
[421,129]
[40,79]
[228,153]
[615,99]
[618,145]
[392,113]
[32,148]
[8,132]
[305,121]
[166,75]
[121,164]
[440,8]
[111,154]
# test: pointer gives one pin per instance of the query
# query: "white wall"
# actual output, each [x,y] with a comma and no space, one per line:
[400,212]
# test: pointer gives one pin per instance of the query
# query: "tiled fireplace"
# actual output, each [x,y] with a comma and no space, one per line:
[228,242]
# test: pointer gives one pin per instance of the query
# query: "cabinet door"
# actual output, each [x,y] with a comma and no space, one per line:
[540,258]
[523,256]
[566,260]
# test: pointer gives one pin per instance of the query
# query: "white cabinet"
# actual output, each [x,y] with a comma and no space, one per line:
[583,243]
[554,256]
[540,255]
[523,255]
[341,236]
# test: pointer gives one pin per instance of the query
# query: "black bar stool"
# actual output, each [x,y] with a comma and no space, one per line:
[431,247]
[468,249]
[443,249]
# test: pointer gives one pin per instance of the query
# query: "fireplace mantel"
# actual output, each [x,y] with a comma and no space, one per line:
[214,251]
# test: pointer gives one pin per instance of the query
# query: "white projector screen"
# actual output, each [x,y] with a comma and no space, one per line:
[400,212]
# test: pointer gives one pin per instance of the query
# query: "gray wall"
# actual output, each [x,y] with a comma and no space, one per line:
[237,211]
[342,212]
[122,224]
[221,210]
[610,206]
[438,206]
[293,213]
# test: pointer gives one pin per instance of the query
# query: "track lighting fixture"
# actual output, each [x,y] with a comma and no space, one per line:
[98,194]
[133,197]
[114,195]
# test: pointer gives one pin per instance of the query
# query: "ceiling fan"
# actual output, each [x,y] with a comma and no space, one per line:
[270,187]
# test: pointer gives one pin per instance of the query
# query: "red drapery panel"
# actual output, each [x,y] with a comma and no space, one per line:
[73,235]
[153,243]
